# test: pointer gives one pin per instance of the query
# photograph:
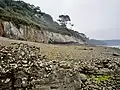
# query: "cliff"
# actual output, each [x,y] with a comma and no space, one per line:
[20,20]
[7,29]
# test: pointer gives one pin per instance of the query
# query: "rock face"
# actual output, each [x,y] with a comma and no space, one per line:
[1,29]
[33,34]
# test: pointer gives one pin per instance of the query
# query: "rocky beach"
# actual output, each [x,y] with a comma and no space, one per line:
[37,66]
[41,52]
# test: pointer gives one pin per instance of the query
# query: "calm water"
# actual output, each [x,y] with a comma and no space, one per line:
[117,46]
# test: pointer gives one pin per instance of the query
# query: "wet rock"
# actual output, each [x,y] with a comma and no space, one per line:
[93,87]
[83,77]
[116,54]
[36,71]
[104,70]
[54,86]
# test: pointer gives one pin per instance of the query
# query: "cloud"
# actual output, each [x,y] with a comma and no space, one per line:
[88,16]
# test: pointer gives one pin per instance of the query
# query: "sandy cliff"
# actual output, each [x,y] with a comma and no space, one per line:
[29,33]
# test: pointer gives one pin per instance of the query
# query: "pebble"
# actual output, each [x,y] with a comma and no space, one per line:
[35,67]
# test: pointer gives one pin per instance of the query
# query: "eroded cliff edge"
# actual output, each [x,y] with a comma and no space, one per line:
[30,33]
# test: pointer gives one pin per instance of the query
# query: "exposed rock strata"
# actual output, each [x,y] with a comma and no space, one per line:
[30,33]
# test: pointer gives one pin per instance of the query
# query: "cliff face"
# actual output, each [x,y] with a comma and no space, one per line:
[1,29]
[29,33]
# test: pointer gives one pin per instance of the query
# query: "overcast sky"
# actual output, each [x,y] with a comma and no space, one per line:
[98,19]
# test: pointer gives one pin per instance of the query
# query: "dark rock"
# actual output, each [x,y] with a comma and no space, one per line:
[54,86]
[116,54]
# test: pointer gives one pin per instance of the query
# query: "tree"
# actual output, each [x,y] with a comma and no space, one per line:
[71,25]
[8,2]
[2,4]
[64,19]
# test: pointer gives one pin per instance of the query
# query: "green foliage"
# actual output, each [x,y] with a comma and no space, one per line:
[64,19]
[51,41]
[23,13]
[102,78]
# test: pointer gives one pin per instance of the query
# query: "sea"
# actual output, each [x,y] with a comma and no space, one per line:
[116,46]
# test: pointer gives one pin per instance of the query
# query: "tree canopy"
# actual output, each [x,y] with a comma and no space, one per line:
[64,19]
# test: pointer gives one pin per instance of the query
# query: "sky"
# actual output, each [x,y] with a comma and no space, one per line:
[98,19]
